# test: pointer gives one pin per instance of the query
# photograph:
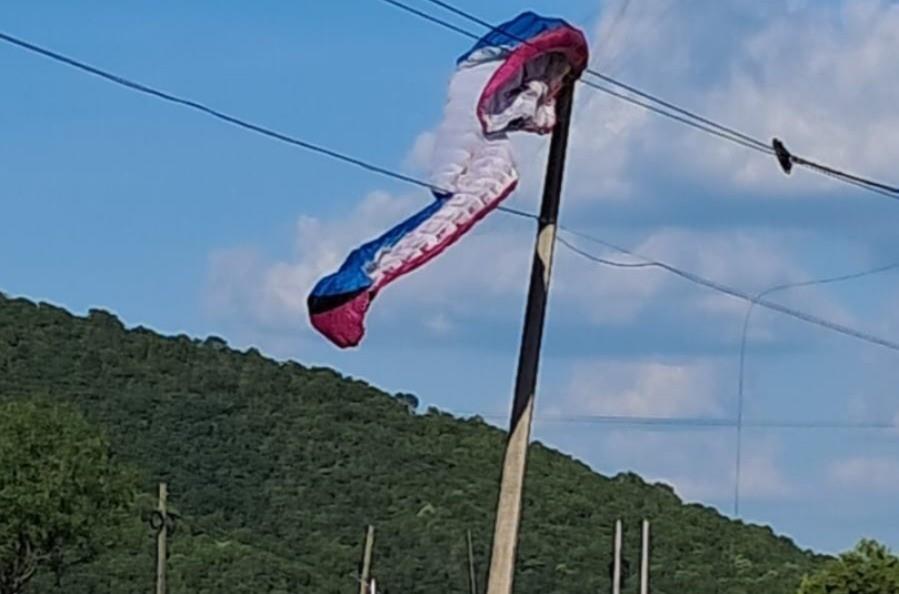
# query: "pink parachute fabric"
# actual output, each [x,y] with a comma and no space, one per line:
[507,82]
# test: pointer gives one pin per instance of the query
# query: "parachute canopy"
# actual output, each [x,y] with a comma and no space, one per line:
[508,81]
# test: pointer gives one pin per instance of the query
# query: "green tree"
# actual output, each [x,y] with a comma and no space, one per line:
[59,491]
[868,569]
[277,468]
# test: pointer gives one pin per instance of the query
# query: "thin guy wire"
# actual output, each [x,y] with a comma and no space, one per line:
[743,341]
[722,288]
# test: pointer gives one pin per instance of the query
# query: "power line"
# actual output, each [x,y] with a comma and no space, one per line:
[139,87]
[725,130]
[787,160]
[599,260]
[703,422]
[142,88]
[748,140]
[740,384]
[722,288]
[707,129]
[432,18]
[239,122]
[676,112]
[708,125]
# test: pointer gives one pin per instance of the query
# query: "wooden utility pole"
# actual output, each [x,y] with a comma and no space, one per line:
[366,561]
[161,537]
[644,560]
[508,512]
[472,579]
[616,571]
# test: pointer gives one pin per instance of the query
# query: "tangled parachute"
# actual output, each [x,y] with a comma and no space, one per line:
[507,82]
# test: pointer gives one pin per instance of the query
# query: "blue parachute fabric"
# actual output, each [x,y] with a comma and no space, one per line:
[353,274]
[506,83]
[525,26]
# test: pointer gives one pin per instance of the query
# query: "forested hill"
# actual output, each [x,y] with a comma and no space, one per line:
[276,468]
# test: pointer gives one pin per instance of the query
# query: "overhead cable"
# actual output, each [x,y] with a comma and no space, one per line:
[743,339]
[670,110]
[737,293]
[139,87]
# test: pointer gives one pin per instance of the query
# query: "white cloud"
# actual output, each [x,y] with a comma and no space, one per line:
[761,475]
[864,474]
[422,152]
[488,270]
[822,79]
[440,324]
[231,272]
[700,464]
[747,261]
[825,83]
[485,266]
[613,146]
[242,283]
[645,388]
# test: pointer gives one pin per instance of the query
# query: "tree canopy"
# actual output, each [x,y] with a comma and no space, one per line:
[870,568]
[58,490]
[276,469]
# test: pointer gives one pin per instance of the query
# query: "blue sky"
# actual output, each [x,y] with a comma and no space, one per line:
[183,224]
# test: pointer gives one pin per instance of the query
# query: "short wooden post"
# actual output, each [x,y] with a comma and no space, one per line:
[364,585]
[161,537]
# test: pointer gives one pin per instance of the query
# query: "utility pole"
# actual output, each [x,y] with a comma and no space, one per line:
[616,570]
[472,579]
[644,560]
[366,561]
[508,512]
[161,536]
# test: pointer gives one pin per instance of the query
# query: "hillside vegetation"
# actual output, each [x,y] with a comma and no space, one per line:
[275,469]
